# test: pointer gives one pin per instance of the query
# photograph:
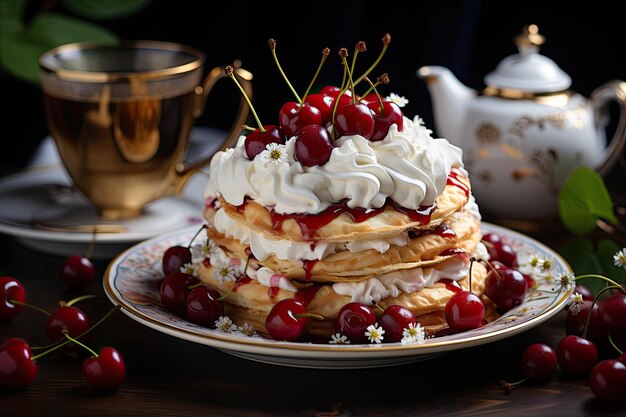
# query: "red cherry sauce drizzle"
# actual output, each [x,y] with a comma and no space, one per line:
[452,251]
[308,293]
[211,202]
[453,179]
[451,285]
[243,280]
[308,267]
[272,291]
[206,262]
[421,215]
[444,231]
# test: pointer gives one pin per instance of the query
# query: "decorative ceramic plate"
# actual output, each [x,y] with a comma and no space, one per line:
[132,280]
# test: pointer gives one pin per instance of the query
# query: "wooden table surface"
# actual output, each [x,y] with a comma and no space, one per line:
[171,377]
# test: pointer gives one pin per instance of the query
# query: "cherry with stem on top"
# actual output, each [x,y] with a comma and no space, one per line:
[12,298]
[465,310]
[78,271]
[263,135]
[177,256]
[287,319]
[538,363]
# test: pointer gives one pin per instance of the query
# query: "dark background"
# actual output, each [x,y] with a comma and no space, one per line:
[470,37]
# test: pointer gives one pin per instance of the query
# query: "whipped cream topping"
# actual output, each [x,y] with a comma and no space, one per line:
[410,167]
[394,283]
[263,247]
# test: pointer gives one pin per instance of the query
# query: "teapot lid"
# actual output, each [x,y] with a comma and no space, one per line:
[528,70]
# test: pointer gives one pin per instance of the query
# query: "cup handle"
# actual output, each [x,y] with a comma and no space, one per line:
[245,79]
[613,90]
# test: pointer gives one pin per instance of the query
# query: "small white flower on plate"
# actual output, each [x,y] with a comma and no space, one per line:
[339,339]
[375,333]
[567,281]
[413,334]
[274,153]
[189,268]
[577,301]
[224,273]
[619,259]
[225,324]
[246,329]
[401,101]
[202,250]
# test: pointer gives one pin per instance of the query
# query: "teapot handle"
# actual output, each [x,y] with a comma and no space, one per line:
[613,90]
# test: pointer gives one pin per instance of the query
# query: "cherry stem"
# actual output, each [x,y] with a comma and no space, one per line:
[350,83]
[60,345]
[343,78]
[92,244]
[472,260]
[360,47]
[196,235]
[386,40]
[199,284]
[618,350]
[602,277]
[71,339]
[272,44]
[19,303]
[231,74]
[313,315]
[510,386]
[325,54]
[78,299]
[247,127]
[596,298]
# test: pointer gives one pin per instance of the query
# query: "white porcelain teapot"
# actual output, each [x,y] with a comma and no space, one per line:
[526,131]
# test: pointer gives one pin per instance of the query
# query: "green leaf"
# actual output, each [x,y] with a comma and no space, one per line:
[606,250]
[19,57]
[581,256]
[55,29]
[11,12]
[583,200]
[105,9]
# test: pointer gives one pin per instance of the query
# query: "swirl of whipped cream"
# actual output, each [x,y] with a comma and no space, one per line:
[410,167]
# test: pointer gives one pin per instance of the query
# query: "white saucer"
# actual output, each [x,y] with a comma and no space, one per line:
[42,210]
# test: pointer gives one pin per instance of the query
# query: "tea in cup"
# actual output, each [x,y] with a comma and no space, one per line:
[121,115]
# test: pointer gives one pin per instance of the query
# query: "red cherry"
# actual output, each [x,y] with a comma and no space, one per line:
[354,119]
[576,355]
[394,320]
[257,140]
[384,118]
[175,257]
[575,324]
[538,362]
[584,291]
[622,358]
[286,320]
[17,369]
[204,306]
[10,289]
[464,311]
[492,238]
[107,371]
[504,253]
[506,288]
[330,90]
[67,318]
[353,319]
[313,146]
[77,272]
[175,290]
[613,311]
[323,103]
[607,380]
[293,117]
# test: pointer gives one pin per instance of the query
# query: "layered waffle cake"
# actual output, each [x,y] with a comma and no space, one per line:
[380,223]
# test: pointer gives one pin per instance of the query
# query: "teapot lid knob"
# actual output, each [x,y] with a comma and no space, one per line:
[529,37]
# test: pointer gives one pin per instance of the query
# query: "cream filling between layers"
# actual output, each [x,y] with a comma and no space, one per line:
[263,247]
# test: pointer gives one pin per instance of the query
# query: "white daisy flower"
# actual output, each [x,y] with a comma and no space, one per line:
[401,101]
[546,265]
[619,259]
[224,273]
[189,268]
[339,339]
[225,324]
[375,333]
[576,301]
[274,153]
[201,250]
[567,281]
[247,329]
[413,334]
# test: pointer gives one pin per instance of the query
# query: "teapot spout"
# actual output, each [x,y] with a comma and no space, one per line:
[450,101]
